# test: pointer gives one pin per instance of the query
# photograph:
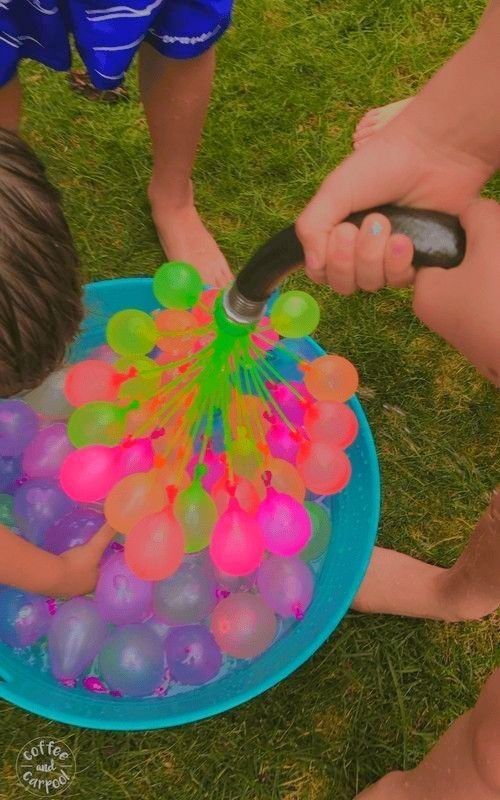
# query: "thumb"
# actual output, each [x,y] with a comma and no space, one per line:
[101,539]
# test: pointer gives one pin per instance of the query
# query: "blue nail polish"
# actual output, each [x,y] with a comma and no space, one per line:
[376,228]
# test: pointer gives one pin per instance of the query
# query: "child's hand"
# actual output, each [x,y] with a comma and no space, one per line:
[79,566]
[462,304]
[398,165]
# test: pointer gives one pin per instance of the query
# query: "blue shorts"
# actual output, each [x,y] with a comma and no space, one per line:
[107,33]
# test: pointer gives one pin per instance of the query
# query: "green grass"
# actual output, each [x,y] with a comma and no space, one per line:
[293,78]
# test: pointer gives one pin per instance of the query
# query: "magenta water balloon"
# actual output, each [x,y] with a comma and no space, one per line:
[122,597]
[285,523]
[24,617]
[18,425]
[44,455]
[193,655]
[76,635]
[290,400]
[135,456]
[188,596]
[132,660]
[286,585]
[38,503]
[73,530]
[283,443]
[10,472]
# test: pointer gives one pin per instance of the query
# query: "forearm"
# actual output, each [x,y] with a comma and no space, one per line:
[27,567]
[459,108]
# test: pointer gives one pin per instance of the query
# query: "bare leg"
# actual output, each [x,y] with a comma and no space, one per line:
[463,765]
[10,104]
[175,96]
[470,589]
[377,118]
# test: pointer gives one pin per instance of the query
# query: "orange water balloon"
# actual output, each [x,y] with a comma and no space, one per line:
[133,498]
[245,493]
[323,466]
[331,378]
[285,478]
[177,326]
[155,546]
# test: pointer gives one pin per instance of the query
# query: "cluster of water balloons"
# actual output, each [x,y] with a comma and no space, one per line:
[210,448]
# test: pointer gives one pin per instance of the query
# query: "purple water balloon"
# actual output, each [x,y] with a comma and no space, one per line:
[38,503]
[24,617]
[10,472]
[122,597]
[72,530]
[188,596]
[46,452]
[18,425]
[286,585]
[133,660]
[193,655]
[76,635]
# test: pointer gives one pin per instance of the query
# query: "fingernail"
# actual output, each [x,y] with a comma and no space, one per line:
[398,248]
[376,228]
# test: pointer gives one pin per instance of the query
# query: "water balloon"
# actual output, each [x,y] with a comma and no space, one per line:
[295,314]
[285,478]
[176,330]
[196,512]
[243,625]
[285,523]
[24,618]
[73,530]
[132,499]
[47,451]
[237,544]
[10,472]
[38,503]
[131,333]
[193,655]
[49,399]
[331,378]
[91,380]
[177,285]
[286,585]
[333,421]
[97,423]
[321,531]
[132,660]
[155,546]
[121,597]
[18,426]
[188,596]
[324,467]
[76,634]
[87,475]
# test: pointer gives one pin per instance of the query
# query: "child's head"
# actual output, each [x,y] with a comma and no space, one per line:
[40,294]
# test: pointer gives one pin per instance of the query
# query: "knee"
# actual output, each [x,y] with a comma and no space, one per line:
[485,721]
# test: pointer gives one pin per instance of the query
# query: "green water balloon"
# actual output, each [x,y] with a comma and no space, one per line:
[177,285]
[131,332]
[98,423]
[145,384]
[6,512]
[195,510]
[295,314]
[246,458]
[321,531]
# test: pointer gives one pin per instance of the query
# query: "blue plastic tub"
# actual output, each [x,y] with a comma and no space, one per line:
[355,515]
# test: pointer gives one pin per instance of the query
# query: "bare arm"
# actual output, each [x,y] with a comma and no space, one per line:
[34,570]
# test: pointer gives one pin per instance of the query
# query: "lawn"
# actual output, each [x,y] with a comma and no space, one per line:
[293,78]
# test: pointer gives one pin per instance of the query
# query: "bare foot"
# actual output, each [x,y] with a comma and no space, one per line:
[375,119]
[184,237]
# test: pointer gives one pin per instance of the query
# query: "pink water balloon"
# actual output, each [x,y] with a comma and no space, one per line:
[335,422]
[283,442]
[291,400]
[89,474]
[286,585]
[285,523]
[45,454]
[135,455]
[237,544]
